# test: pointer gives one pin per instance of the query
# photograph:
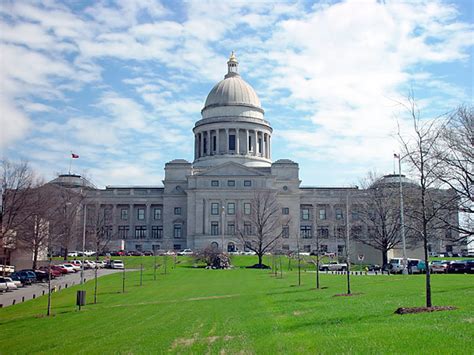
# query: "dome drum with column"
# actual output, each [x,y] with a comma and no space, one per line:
[232,127]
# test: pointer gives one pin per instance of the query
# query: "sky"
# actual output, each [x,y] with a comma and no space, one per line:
[122,83]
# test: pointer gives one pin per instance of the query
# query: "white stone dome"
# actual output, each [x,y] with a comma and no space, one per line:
[233,90]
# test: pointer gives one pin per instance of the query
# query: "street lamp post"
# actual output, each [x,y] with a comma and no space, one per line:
[402,219]
[222,228]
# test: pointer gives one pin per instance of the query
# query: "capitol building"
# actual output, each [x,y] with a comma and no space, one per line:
[202,202]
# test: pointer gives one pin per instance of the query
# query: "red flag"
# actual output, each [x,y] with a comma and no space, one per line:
[396,155]
[74,156]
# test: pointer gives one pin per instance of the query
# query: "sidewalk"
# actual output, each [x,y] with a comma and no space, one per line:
[41,288]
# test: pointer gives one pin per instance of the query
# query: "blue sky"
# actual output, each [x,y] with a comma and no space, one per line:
[122,83]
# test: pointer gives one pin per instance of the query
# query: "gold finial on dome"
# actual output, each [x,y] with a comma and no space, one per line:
[232,57]
[232,65]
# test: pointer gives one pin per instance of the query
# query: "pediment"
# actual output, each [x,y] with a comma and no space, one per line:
[230,169]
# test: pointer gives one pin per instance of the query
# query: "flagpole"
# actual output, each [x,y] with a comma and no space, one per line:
[70,163]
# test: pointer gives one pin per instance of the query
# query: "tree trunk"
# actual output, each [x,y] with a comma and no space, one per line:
[260,257]
[35,257]
[384,257]
[65,254]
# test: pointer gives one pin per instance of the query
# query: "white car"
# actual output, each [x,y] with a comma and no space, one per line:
[333,266]
[73,254]
[9,269]
[185,252]
[100,264]
[69,267]
[88,264]
[16,282]
[3,287]
[116,264]
[10,284]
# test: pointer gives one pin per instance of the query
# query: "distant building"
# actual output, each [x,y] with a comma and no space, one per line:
[199,202]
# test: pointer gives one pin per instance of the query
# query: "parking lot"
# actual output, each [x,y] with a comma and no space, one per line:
[35,290]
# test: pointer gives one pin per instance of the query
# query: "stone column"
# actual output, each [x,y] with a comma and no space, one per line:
[131,219]
[269,147]
[264,145]
[148,220]
[237,141]
[202,145]
[255,145]
[226,150]
[246,150]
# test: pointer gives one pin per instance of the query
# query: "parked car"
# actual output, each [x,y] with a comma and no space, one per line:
[439,266]
[69,267]
[59,268]
[3,287]
[135,253]
[73,254]
[16,282]
[333,266]
[77,263]
[170,253]
[116,264]
[374,267]
[185,252]
[416,266]
[54,272]
[75,267]
[148,253]
[100,264]
[26,277]
[469,268]
[9,282]
[457,267]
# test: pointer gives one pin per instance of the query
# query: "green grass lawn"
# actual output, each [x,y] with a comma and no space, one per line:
[193,310]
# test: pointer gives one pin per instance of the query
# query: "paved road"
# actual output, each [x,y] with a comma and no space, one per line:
[38,289]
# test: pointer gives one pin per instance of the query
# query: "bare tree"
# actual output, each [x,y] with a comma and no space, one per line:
[99,232]
[420,152]
[34,233]
[378,210]
[261,227]
[17,180]
[455,150]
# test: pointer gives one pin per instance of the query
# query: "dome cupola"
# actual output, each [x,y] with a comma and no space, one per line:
[232,127]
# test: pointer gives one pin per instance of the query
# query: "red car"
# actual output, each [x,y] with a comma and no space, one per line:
[54,272]
[62,270]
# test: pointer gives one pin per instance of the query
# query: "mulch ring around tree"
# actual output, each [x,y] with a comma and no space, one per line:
[409,310]
[348,294]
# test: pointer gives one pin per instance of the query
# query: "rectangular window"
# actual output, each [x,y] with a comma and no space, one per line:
[138,247]
[205,145]
[247,208]
[123,232]
[177,210]
[155,248]
[247,229]
[322,214]
[141,214]
[157,214]
[285,247]
[230,182]
[355,215]
[157,232]
[260,145]
[307,248]
[214,143]
[247,183]
[339,214]
[323,232]
[285,232]
[214,183]
[340,249]
[323,248]
[285,210]
[177,246]
[305,214]
[140,232]
[231,228]
[231,208]
[124,214]
[305,232]
[215,208]
[231,141]
[177,231]
[341,232]
[250,143]
[214,228]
